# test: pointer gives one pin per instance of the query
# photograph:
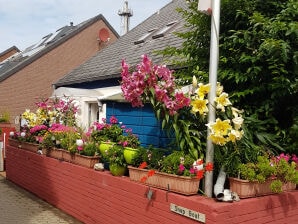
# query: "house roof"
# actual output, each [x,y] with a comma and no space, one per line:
[8,50]
[145,38]
[21,59]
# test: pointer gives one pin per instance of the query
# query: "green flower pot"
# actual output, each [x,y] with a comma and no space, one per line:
[104,146]
[117,170]
[129,154]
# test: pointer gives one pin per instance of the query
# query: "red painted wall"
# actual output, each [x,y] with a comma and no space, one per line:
[6,128]
[98,197]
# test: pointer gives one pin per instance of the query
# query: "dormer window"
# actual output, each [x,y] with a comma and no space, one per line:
[145,36]
[164,30]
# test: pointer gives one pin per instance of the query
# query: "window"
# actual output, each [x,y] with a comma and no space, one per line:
[163,31]
[144,37]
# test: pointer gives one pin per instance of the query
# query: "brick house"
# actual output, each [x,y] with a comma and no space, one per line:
[27,76]
[8,53]
[99,77]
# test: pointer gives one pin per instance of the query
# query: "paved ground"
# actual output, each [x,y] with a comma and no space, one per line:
[17,206]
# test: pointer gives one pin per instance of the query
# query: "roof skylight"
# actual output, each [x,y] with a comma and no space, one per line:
[144,37]
[163,31]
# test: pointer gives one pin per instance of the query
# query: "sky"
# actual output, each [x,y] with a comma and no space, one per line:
[24,22]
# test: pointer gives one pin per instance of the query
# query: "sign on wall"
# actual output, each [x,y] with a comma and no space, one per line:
[188,213]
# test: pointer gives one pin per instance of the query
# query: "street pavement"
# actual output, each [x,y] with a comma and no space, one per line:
[18,206]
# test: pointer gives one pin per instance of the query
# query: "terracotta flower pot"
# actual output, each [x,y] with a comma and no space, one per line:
[247,189]
[174,183]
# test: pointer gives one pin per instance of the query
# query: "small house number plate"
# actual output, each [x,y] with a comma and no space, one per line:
[188,213]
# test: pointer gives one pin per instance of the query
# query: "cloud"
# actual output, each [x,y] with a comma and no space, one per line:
[25,22]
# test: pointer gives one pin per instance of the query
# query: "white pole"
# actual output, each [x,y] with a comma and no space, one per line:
[1,157]
[214,55]
[4,144]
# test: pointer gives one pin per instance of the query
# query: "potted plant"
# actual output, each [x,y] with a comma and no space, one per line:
[117,164]
[130,142]
[106,132]
[177,172]
[266,176]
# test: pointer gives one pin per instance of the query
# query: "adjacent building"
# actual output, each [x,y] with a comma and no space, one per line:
[27,76]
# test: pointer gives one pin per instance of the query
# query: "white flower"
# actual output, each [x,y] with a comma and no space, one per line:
[236,112]
[237,121]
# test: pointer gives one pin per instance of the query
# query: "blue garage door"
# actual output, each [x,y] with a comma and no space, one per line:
[142,121]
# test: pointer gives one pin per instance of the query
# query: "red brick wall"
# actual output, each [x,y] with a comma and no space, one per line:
[21,90]
[8,54]
[98,197]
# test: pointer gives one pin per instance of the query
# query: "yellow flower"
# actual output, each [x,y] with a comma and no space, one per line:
[194,82]
[30,118]
[203,90]
[222,101]
[219,89]
[235,135]
[199,105]
[218,139]
[220,127]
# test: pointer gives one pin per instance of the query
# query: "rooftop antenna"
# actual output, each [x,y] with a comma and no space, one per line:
[125,14]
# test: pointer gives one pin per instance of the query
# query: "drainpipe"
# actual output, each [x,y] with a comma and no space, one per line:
[219,186]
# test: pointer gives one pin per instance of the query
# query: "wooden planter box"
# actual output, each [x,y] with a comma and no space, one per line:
[247,189]
[170,182]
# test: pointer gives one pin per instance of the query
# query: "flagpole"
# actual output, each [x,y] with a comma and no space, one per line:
[213,66]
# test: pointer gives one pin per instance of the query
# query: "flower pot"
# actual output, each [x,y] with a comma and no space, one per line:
[244,188]
[29,146]
[14,143]
[86,161]
[129,154]
[104,146]
[174,183]
[117,170]
[53,153]
[247,189]
[67,156]
[81,160]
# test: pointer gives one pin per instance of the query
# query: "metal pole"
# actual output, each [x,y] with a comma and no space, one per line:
[214,55]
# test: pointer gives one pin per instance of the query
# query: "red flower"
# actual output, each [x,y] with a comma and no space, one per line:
[143,165]
[143,179]
[151,173]
[200,174]
[200,161]
[209,166]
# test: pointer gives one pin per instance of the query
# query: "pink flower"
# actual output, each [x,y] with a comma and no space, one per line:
[113,120]
[295,159]
[192,170]
[283,156]
[153,83]
[181,168]
[125,143]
